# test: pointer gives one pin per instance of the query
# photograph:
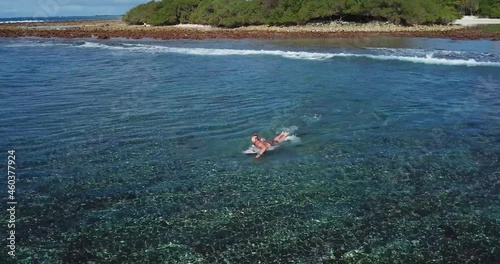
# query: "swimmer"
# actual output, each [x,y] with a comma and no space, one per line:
[263,144]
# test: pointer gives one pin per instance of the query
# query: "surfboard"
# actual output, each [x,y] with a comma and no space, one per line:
[254,150]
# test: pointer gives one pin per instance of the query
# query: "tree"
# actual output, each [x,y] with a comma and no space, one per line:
[235,13]
[270,4]
[489,8]
[469,7]
[142,13]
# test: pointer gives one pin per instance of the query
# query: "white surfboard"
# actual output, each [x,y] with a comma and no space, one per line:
[254,150]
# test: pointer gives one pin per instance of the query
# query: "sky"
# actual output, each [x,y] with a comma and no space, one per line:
[49,8]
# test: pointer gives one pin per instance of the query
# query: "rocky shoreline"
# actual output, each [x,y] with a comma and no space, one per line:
[104,29]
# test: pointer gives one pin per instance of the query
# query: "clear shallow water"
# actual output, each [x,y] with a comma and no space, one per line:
[140,142]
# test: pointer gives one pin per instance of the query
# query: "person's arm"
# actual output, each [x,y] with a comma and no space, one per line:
[262,150]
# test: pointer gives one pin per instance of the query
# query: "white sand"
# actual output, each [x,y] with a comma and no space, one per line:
[473,21]
[192,26]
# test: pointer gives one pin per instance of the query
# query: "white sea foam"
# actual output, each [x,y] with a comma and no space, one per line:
[21,21]
[429,59]
[399,50]
[234,52]
[423,52]
[302,55]
[95,45]
[392,55]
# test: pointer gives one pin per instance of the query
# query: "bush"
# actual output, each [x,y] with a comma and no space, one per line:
[235,13]
[489,8]
[142,13]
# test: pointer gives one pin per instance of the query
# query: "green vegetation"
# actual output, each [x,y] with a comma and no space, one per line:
[490,28]
[489,8]
[235,13]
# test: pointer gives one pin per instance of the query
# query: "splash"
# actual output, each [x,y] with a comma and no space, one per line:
[293,139]
[291,130]
[311,118]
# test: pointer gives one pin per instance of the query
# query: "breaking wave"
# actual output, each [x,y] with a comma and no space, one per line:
[439,57]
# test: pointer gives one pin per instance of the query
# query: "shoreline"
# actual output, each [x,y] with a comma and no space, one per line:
[105,29]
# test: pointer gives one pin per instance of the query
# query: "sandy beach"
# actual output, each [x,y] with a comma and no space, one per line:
[104,29]
[474,21]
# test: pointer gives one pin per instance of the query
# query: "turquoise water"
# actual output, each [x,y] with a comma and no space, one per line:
[131,150]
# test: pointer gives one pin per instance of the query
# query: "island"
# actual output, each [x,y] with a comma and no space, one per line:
[269,19]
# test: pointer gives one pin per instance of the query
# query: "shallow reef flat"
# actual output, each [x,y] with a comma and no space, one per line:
[406,202]
[105,29]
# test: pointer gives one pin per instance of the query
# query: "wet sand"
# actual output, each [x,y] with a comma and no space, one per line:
[105,29]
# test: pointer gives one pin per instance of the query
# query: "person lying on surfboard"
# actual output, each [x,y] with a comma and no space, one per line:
[263,144]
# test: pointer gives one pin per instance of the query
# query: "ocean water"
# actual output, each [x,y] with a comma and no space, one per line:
[55,19]
[131,150]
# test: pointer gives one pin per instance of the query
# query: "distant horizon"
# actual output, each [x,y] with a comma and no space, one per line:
[65,8]
[57,16]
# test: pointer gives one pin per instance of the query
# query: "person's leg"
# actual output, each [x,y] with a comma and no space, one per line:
[280,137]
[285,134]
